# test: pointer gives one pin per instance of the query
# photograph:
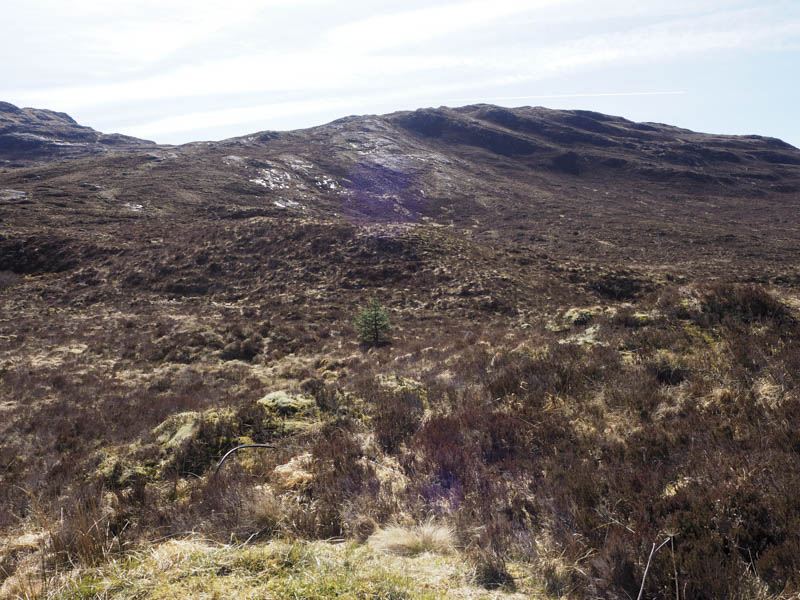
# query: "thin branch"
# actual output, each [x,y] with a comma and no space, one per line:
[229,452]
[675,569]
[653,550]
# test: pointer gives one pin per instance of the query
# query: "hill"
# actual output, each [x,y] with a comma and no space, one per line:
[31,136]
[595,348]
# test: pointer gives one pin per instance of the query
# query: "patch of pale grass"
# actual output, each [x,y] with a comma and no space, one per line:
[410,541]
[177,552]
[280,570]
[769,393]
[295,474]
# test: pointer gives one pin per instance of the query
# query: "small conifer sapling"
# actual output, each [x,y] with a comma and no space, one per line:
[372,324]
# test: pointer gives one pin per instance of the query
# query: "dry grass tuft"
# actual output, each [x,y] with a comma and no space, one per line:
[490,571]
[262,511]
[295,474]
[410,541]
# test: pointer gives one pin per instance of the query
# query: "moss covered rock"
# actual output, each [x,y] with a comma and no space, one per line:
[177,428]
[285,404]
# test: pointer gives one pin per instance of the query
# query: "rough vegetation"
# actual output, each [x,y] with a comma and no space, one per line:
[595,349]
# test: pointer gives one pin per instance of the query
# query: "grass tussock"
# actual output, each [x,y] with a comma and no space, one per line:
[411,541]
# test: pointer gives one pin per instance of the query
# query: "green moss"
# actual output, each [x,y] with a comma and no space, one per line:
[193,440]
[87,588]
[575,317]
[581,316]
[284,404]
[699,334]
[117,470]
[177,428]
[397,383]
[587,338]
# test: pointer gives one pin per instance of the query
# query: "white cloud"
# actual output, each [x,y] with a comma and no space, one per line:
[344,70]
[266,73]
[667,41]
[234,116]
[104,55]
[162,28]
[270,112]
[134,32]
[410,27]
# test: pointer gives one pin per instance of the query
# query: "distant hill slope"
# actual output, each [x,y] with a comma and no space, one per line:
[30,136]
[546,186]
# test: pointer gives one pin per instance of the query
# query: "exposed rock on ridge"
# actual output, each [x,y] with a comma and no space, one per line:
[30,136]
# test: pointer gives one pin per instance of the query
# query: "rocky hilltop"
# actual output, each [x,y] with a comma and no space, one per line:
[545,185]
[30,136]
[595,349]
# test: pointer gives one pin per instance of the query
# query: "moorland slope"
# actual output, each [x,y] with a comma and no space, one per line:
[595,348]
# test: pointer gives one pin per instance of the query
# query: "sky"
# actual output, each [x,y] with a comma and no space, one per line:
[176,71]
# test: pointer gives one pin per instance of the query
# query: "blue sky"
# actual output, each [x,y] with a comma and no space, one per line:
[182,70]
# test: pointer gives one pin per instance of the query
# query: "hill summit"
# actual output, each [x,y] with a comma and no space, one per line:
[30,136]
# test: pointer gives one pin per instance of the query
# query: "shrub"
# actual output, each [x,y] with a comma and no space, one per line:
[669,369]
[372,324]
[618,286]
[84,535]
[246,349]
[397,418]
[743,302]
[340,475]
[491,572]
[8,278]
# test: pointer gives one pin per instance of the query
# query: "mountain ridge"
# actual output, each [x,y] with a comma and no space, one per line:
[620,190]
[564,126]
[31,136]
